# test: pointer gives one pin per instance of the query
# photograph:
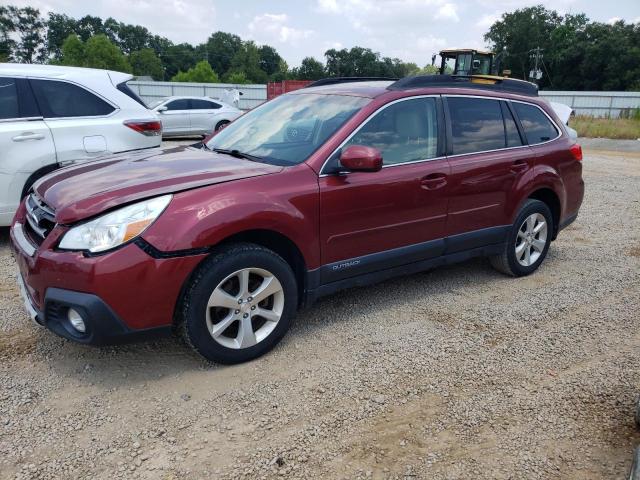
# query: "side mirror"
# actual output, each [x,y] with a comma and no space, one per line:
[360,158]
[161,109]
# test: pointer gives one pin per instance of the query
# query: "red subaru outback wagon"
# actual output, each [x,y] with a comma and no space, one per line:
[338,185]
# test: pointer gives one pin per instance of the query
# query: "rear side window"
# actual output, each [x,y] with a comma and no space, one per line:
[536,125]
[126,89]
[8,98]
[476,125]
[181,104]
[203,105]
[63,99]
[404,132]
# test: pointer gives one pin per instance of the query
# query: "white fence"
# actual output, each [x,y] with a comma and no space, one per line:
[597,104]
[252,95]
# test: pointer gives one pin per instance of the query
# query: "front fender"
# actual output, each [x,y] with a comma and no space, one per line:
[286,203]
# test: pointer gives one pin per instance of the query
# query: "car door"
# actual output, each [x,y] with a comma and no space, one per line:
[375,220]
[488,158]
[80,120]
[203,115]
[175,119]
[27,143]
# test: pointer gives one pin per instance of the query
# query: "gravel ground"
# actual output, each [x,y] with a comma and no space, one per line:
[455,373]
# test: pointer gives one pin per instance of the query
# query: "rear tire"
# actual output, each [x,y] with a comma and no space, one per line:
[239,304]
[528,241]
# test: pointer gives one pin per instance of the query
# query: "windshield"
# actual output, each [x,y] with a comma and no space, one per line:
[288,129]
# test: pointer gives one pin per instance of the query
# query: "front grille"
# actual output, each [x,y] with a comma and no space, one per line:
[40,219]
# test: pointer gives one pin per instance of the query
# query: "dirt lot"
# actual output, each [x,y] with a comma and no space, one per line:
[455,373]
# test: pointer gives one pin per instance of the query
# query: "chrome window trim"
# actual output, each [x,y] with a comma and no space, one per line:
[373,114]
[20,119]
[116,108]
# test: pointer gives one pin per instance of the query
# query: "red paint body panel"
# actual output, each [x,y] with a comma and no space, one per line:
[328,217]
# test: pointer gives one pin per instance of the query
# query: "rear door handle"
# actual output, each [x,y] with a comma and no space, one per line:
[519,166]
[433,181]
[23,137]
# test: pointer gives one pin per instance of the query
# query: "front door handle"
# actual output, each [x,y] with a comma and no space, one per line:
[23,137]
[433,181]
[519,166]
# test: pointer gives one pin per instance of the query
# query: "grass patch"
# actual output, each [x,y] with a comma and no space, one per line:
[618,128]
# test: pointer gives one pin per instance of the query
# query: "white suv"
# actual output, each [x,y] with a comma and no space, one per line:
[52,116]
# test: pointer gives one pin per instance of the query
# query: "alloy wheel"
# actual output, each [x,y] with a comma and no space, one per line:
[532,239]
[245,308]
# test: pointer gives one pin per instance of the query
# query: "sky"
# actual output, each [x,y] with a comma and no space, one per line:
[411,30]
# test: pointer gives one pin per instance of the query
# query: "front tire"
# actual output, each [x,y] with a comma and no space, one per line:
[528,241]
[239,304]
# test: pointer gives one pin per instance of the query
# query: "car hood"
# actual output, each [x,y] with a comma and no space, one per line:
[82,191]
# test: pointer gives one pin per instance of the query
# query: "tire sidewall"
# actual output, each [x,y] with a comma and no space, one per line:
[211,274]
[529,208]
[221,124]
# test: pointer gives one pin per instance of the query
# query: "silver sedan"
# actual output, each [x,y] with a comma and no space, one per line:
[182,116]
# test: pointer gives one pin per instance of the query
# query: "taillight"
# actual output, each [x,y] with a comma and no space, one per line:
[149,128]
[576,151]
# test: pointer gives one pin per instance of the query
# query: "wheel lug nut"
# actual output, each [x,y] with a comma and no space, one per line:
[249,299]
[237,312]
[245,315]
[253,307]
[239,300]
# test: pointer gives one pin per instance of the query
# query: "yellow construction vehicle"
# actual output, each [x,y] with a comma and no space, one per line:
[468,62]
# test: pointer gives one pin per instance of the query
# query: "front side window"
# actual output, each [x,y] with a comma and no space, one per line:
[8,98]
[180,104]
[536,125]
[289,128]
[476,125]
[405,131]
[64,99]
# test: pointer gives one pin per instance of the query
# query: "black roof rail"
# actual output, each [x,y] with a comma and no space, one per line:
[467,81]
[337,80]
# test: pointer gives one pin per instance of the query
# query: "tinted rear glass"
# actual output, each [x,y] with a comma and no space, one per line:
[63,99]
[8,98]
[476,125]
[197,104]
[536,125]
[181,104]
[126,89]
[510,129]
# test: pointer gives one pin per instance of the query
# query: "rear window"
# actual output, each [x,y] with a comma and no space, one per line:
[63,99]
[536,125]
[476,125]
[197,104]
[8,98]
[126,89]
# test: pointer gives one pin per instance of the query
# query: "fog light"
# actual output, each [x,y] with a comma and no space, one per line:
[76,320]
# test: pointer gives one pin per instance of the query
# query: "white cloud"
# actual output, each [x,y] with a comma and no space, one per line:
[448,11]
[613,20]
[488,19]
[272,27]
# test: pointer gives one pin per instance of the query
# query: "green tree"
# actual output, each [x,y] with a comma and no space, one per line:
[97,52]
[220,49]
[72,52]
[176,58]
[247,60]
[7,44]
[237,77]
[201,73]
[59,27]
[146,62]
[28,27]
[88,27]
[310,69]
[269,60]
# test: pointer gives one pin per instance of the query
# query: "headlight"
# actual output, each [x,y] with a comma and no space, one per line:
[115,228]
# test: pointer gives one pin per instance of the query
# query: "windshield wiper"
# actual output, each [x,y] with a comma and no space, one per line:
[238,154]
